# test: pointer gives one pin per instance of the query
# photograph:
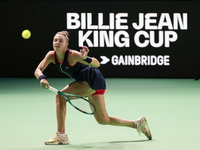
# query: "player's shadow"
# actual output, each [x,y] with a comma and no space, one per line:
[129,141]
[112,145]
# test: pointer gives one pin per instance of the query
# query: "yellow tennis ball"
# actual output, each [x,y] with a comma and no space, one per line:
[26,34]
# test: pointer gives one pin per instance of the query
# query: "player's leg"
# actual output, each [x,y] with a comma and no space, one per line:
[102,117]
[60,113]
[78,88]
[81,88]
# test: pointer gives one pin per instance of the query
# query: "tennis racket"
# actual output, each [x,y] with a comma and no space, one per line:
[78,102]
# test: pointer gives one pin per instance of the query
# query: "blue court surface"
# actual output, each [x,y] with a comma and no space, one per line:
[171,106]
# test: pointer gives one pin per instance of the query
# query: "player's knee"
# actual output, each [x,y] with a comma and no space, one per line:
[103,121]
[60,100]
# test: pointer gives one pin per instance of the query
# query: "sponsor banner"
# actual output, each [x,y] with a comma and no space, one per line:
[140,40]
[130,39]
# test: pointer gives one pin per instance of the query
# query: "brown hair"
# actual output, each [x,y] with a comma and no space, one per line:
[64,33]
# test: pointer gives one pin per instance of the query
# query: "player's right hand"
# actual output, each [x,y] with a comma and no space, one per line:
[44,83]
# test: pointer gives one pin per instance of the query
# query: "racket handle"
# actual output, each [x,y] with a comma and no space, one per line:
[52,89]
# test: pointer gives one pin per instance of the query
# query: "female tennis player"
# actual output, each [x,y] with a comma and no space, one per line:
[89,82]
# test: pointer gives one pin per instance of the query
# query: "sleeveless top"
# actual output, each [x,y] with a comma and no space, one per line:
[81,72]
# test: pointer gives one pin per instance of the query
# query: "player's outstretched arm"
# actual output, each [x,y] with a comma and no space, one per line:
[41,67]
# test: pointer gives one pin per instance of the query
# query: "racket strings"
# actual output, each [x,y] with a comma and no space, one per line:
[81,104]
[78,102]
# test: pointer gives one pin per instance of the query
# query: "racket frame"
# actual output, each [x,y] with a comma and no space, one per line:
[63,94]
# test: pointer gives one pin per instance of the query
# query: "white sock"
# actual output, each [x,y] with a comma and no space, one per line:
[63,134]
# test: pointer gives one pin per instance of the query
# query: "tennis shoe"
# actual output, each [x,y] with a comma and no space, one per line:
[58,139]
[142,127]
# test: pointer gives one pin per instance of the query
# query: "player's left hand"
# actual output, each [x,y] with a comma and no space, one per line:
[84,52]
